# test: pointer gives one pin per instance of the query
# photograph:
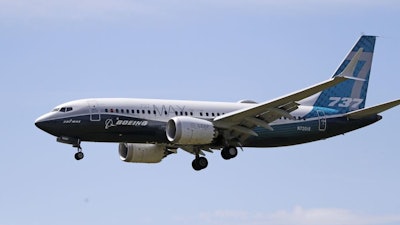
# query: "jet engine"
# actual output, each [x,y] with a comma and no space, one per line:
[141,153]
[190,131]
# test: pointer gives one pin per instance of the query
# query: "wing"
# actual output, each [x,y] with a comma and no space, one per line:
[240,123]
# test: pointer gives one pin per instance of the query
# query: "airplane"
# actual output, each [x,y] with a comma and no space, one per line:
[148,130]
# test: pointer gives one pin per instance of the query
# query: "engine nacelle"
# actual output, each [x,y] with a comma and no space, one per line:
[190,131]
[141,153]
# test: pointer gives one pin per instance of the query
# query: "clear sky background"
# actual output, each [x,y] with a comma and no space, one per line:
[56,51]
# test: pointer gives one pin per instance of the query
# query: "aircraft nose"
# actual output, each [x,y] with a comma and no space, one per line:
[39,123]
[42,122]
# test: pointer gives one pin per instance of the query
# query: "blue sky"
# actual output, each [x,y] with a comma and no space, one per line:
[56,51]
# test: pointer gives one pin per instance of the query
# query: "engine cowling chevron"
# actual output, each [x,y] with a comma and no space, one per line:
[190,131]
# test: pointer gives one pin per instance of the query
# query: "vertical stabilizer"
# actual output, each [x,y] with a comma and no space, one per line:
[351,94]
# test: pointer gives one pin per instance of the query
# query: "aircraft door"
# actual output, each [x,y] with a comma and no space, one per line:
[322,120]
[94,111]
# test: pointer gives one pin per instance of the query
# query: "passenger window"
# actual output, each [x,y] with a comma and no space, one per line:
[206,113]
[143,112]
[138,111]
[106,110]
[122,111]
[116,110]
[133,111]
[212,114]
[191,113]
[201,114]
[186,113]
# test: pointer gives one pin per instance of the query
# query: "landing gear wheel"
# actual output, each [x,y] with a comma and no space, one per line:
[203,162]
[79,155]
[199,163]
[229,152]
[195,165]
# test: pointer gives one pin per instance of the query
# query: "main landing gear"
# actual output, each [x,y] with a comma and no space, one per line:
[199,163]
[229,152]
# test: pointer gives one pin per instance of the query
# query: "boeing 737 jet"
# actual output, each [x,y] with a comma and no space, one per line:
[148,130]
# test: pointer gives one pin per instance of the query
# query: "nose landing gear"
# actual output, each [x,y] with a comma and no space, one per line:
[79,155]
[75,142]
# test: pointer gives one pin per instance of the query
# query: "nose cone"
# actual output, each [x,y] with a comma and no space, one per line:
[43,123]
[39,122]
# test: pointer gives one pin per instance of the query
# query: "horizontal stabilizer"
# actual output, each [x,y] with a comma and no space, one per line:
[372,110]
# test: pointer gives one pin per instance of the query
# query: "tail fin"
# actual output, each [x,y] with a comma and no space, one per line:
[351,94]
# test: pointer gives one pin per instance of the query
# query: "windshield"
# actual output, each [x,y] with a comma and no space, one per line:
[62,109]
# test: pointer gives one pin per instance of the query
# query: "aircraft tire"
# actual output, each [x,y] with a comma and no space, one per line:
[195,165]
[229,152]
[199,163]
[203,162]
[79,155]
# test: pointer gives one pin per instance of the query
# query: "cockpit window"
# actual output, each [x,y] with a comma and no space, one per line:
[63,109]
